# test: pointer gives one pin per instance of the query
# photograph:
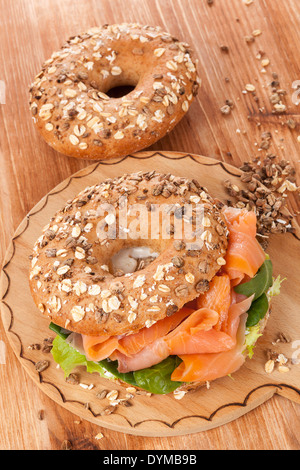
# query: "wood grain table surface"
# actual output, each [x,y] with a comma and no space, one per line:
[237,43]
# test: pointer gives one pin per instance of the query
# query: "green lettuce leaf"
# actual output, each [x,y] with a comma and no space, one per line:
[112,368]
[257,311]
[252,335]
[259,284]
[253,331]
[275,288]
[157,379]
[68,358]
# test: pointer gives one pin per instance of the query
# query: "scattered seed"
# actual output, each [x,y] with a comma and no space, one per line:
[119,135]
[283,338]
[283,369]
[116,70]
[202,286]
[34,346]
[269,366]
[130,389]
[250,87]
[249,39]
[125,403]
[178,395]
[159,52]
[181,291]
[225,109]
[101,395]
[112,395]
[40,366]
[185,106]
[224,49]
[108,411]
[66,445]
[49,127]
[73,379]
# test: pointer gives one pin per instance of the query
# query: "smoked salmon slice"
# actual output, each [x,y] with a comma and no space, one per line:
[150,355]
[197,335]
[244,254]
[137,341]
[207,367]
[240,304]
[98,348]
[186,333]
[195,339]
[241,220]
[200,342]
[194,335]
[218,298]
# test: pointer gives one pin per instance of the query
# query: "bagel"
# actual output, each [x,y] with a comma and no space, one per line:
[130,279]
[73,281]
[75,115]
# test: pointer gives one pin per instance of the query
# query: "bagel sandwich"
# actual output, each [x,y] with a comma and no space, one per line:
[175,297]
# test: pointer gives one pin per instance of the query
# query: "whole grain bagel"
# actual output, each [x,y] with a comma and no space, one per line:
[72,275]
[69,101]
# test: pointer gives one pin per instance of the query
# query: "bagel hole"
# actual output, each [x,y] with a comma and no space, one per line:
[120,91]
[130,260]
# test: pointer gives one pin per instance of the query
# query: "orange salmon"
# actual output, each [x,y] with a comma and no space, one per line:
[206,367]
[244,254]
[137,341]
[194,335]
[194,339]
[218,298]
[98,348]
[240,220]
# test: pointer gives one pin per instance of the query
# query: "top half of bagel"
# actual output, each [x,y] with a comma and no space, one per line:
[71,277]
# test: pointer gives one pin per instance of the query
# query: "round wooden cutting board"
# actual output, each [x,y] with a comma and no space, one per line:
[227,398]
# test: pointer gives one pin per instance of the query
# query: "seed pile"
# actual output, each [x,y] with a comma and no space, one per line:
[267,184]
[277,360]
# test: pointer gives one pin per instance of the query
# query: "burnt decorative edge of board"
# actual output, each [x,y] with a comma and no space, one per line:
[144,155]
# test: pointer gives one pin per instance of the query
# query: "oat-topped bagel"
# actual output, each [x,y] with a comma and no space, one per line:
[69,101]
[76,282]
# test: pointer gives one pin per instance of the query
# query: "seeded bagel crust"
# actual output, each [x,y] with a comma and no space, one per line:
[68,99]
[70,276]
